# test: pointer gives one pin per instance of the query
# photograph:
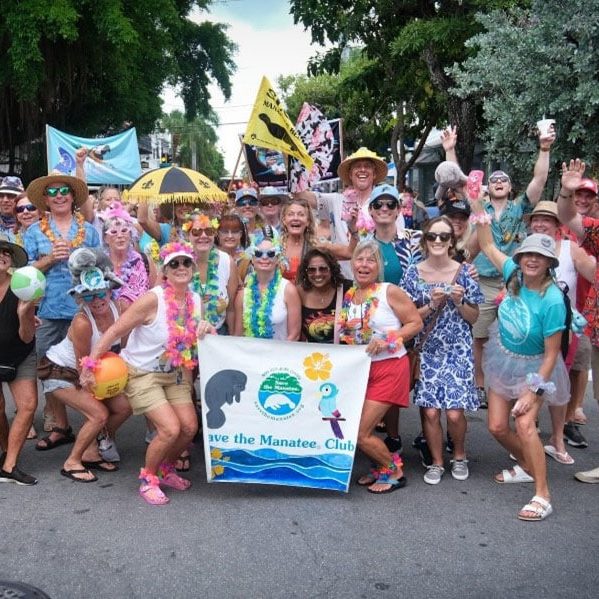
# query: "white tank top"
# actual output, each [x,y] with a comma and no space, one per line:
[147,342]
[279,313]
[566,272]
[63,353]
[382,320]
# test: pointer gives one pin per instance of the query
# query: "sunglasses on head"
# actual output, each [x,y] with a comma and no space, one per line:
[378,204]
[185,262]
[265,253]
[270,202]
[26,208]
[63,190]
[208,231]
[116,231]
[499,179]
[88,298]
[312,270]
[444,237]
[247,202]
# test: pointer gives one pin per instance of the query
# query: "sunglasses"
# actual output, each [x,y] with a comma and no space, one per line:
[378,204]
[312,270]
[185,262]
[26,208]
[88,298]
[208,231]
[122,230]
[265,253]
[247,202]
[499,179]
[444,237]
[270,202]
[63,190]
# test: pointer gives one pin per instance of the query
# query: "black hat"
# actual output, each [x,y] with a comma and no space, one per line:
[456,207]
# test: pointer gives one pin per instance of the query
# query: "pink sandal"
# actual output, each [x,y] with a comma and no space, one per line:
[150,489]
[168,476]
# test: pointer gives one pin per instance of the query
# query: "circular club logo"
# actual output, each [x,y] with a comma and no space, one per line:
[280,394]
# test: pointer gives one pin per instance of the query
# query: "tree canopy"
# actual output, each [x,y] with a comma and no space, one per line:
[530,63]
[91,68]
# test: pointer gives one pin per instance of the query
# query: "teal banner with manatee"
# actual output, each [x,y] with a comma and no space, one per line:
[279,412]
[110,160]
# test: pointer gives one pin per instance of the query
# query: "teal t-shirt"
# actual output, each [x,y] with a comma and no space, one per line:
[392,270]
[525,320]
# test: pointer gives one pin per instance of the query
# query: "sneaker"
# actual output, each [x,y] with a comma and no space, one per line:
[16,476]
[425,453]
[394,444]
[108,450]
[167,475]
[433,474]
[590,476]
[459,469]
[417,440]
[481,394]
[150,490]
[449,444]
[573,436]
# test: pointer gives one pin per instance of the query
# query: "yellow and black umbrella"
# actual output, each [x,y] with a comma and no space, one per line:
[175,184]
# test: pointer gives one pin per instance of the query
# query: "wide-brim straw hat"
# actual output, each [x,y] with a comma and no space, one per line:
[35,190]
[19,255]
[380,166]
[538,243]
[545,208]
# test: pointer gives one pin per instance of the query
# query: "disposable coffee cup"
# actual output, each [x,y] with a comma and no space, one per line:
[544,125]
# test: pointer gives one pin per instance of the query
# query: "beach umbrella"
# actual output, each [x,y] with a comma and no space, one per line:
[175,184]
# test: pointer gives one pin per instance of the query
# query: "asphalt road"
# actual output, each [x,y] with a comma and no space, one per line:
[457,539]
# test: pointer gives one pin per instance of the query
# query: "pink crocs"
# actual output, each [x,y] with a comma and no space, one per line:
[168,476]
[150,489]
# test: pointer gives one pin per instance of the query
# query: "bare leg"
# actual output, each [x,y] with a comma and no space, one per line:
[3,423]
[457,426]
[188,421]
[168,429]
[24,392]
[433,433]
[578,387]
[478,346]
[558,419]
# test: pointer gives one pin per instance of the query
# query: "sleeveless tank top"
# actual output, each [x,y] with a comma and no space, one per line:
[566,272]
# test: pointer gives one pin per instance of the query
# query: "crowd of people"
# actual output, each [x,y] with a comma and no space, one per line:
[484,299]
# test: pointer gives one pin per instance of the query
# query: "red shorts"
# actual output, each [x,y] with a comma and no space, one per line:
[389,381]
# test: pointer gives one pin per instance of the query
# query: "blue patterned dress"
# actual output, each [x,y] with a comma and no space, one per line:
[446,361]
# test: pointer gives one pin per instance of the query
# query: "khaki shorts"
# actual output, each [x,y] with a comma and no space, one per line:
[490,286]
[582,356]
[149,390]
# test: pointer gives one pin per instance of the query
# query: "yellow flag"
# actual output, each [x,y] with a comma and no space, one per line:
[270,127]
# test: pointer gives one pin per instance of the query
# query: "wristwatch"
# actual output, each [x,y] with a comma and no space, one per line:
[539,392]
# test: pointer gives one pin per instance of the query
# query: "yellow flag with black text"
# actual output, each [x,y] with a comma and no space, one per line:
[270,127]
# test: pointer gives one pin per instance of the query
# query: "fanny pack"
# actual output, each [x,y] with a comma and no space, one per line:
[49,370]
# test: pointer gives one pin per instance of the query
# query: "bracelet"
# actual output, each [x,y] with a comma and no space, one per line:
[538,385]
[88,363]
[545,149]
[480,219]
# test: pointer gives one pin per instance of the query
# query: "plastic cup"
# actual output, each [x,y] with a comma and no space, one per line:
[544,126]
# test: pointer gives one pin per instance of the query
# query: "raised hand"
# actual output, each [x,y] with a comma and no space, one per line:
[449,138]
[572,174]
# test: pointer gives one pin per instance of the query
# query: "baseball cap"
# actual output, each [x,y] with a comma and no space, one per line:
[455,207]
[384,190]
[246,192]
[588,184]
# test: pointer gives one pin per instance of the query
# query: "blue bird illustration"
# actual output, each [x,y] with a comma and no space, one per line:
[328,407]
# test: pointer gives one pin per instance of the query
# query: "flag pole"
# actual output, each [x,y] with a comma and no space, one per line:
[236,166]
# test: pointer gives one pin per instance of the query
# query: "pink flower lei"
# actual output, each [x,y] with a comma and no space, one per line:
[182,332]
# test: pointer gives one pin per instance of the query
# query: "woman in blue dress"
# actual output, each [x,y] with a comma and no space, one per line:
[447,298]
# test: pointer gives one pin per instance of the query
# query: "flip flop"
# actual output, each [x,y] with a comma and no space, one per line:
[184,461]
[100,465]
[558,456]
[396,483]
[71,474]
[519,476]
[66,438]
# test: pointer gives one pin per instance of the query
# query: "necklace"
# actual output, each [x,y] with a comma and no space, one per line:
[257,307]
[209,291]
[357,331]
[46,229]
[182,330]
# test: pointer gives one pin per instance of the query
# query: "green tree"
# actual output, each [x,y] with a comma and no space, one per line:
[536,62]
[196,137]
[88,67]
[410,43]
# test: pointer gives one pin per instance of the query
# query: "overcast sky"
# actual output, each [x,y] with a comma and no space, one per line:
[268,44]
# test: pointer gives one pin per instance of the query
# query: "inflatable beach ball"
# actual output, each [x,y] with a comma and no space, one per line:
[111,376]
[28,283]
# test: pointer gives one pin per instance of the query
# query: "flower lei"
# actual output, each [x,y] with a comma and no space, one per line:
[257,307]
[209,292]
[124,273]
[76,241]
[361,334]
[153,250]
[201,220]
[182,336]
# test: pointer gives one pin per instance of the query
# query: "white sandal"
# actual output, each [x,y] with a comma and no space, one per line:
[519,476]
[541,510]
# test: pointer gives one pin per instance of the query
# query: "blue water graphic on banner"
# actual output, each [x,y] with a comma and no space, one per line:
[326,471]
[110,160]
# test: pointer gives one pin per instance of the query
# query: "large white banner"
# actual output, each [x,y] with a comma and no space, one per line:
[279,412]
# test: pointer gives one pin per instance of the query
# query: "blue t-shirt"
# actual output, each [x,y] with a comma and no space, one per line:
[56,304]
[145,239]
[527,319]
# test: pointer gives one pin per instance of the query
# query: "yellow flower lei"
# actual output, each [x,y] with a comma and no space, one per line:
[76,241]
